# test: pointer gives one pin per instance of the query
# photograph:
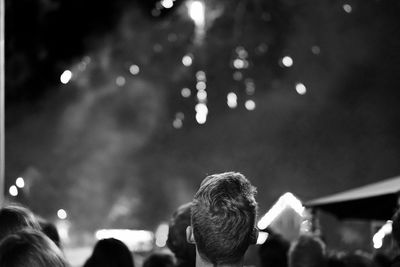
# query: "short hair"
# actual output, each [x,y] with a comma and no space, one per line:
[110,252]
[396,227]
[159,259]
[50,230]
[30,248]
[307,251]
[176,242]
[14,218]
[224,212]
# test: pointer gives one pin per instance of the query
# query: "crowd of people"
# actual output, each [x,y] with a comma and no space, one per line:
[215,229]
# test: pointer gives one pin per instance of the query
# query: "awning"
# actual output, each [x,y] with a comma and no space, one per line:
[377,201]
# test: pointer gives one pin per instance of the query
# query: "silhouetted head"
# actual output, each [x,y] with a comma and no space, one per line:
[30,248]
[159,259]
[223,218]
[51,231]
[177,243]
[15,218]
[110,252]
[307,251]
[273,253]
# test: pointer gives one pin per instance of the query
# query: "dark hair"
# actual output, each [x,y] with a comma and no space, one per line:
[50,230]
[30,248]
[273,253]
[15,218]
[110,252]
[396,227]
[159,259]
[358,259]
[307,251]
[223,217]
[176,242]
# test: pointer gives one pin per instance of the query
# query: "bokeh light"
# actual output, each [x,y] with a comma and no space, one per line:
[197,12]
[134,69]
[301,88]
[120,81]
[13,191]
[185,92]
[187,60]
[201,85]
[287,61]
[231,100]
[347,8]
[62,214]
[202,95]
[20,182]
[167,3]
[66,76]
[250,104]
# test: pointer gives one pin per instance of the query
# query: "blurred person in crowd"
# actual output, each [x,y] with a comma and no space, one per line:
[307,251]
[185,253]
[15,218]
[30,248]
[358,259]
[159,259]
[50,230]
[223,220]
[110,252]
[335,259]
[273,253]
[396,237]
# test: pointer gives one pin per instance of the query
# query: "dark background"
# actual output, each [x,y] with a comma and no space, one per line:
[110,155]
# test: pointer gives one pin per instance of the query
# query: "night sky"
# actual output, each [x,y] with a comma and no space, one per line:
[119,144]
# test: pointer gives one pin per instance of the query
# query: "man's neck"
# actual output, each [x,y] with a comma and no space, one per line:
[200,262]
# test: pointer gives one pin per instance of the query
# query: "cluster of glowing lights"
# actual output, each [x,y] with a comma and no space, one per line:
[66,76]
[287,61]
[201,107]
[301,89]
[240,60]
[385,230]
[201,113]
[62,214]
[347,8]
[196,10]
[187,60]
[161,235]
[134,69]
[136,240]
[231,100]
[178,121]
[19,183]
[287,200]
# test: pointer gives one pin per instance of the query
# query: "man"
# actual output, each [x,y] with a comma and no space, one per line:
[223,216]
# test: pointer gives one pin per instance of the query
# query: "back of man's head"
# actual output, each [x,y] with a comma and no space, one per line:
[15,218]
[396,227]
[307,251]
[223,218]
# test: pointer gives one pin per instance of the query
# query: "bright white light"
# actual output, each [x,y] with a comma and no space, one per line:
[13,191]
[20,182]
[185,92]
[201,118]
[285,201]
[287,61]
[201,76]
[301,89]
[120,81]
[197,12]
[62,214]
[386,229]
[167,3]
[187,60]
[250,105]
[134,69]
[239,63]
[201,86]
[161,235]
[201,95]
[136,240]
[347,8]
[262,237]
[231,100]
[66,76]
[201,108]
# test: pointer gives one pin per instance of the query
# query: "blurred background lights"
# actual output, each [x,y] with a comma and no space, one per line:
[134,69]
[201,85]
[20,182]
[62,214]
[197,12]
[250,105]
[13,191]
[161,235]
[231,100]
[237,76]
[120,81]
[347,8]
[201,118]
[201,113]
[185,92]
[262,237]
[239,63]
[167,3]
[377,239]
[177,123]
[315,50]
[201,75]
[287,61]
[66,76]
[201,95]
[187,60]
[301,89]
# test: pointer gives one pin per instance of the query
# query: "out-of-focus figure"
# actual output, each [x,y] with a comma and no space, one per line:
[159,259]
[307,251]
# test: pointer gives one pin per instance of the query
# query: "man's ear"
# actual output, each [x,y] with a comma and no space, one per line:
[189,235]
[254,236]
